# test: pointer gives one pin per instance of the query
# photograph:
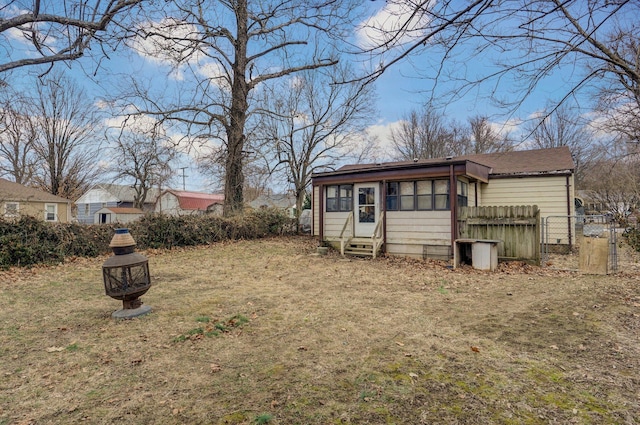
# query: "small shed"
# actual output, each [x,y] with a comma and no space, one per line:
[117,215]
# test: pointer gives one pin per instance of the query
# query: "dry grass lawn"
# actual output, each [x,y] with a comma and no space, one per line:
[259,332]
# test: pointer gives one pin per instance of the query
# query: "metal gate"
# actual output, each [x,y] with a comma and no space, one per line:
[562,237]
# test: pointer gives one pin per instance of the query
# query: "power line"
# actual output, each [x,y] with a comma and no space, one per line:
[183,177]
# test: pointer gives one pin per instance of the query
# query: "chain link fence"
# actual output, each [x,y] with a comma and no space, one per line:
[563,238]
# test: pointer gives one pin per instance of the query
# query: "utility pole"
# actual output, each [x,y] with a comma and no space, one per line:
[183,177]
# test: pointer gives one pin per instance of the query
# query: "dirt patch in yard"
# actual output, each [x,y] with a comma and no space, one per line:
[268,332]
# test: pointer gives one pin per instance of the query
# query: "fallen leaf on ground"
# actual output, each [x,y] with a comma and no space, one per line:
[54,349]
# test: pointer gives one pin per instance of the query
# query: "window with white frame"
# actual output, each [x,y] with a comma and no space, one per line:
[51,212]
[339,198]
[11,209]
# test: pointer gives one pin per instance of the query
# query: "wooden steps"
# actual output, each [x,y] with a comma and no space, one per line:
[361,247]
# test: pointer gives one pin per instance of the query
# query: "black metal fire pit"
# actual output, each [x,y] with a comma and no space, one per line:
[126,276]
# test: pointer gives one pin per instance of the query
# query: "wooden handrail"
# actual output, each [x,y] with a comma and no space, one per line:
[377,237]
[343,241]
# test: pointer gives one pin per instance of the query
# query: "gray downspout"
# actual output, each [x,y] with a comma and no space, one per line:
[569,200]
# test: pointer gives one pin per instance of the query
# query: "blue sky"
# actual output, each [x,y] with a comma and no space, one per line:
[398,89]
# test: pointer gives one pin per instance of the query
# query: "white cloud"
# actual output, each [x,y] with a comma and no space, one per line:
[176,44]
[512,127]
[139,124]
[396,17]
[20,36]
[381,133]
[214,72]
[170,42]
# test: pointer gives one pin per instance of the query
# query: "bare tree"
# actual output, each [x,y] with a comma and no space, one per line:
[257,175]
[17,138]
[485,139]
[230,48]
[424,134]
[142,159]
[529,41]
[315,123]
[66,145]
[562,127]
[614,183]
[619,100]
[55,30]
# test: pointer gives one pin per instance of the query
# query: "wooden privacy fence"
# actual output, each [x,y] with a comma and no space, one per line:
[517,227]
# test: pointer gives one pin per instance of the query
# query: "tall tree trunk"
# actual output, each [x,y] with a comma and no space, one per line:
[234,177]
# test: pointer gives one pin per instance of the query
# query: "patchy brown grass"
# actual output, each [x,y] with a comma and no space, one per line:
[266,332]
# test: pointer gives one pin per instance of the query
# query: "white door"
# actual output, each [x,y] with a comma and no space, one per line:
[367,208]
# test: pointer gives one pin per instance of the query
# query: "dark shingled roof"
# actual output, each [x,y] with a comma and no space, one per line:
[526,162]
[538,161]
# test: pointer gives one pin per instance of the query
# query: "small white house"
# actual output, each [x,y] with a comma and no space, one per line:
[403,207]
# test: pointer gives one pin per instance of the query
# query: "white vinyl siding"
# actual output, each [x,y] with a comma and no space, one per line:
[408,232]
[333,224]
[548,193]
[473,195]
[169,204]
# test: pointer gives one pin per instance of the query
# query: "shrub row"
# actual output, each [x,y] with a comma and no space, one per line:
[29,241]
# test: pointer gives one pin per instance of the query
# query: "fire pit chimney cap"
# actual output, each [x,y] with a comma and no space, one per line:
[122,238]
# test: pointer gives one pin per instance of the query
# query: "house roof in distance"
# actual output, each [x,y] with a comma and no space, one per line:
[529,162]
[123,210]
[126,193]
[11,191]
[195,200]
[123,193]
[273,201]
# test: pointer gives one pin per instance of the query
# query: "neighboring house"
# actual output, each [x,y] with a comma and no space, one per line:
[410,205]
[594,205]
[17,200]
[180,202]
[110,195]
[286,203]
[117,215]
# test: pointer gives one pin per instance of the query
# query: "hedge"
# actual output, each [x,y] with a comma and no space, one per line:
[29,241]
[632,235]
